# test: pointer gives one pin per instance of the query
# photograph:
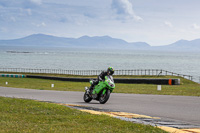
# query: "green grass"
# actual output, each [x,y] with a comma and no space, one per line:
[42,84]
[18,115]
[183,90]
[187,87]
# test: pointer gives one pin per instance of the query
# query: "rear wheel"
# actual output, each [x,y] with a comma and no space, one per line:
[104,97]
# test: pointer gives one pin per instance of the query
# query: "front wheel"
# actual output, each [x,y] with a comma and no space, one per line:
[104,97]
[87,98]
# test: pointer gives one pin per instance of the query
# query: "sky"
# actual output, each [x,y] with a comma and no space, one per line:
[156,22]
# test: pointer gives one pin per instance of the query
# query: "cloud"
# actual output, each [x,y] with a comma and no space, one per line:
[3,29]
[125,8]
[38,2]
[13,19]
[169,24]
[20,3]
[43,24]
[29,11]
[195,26]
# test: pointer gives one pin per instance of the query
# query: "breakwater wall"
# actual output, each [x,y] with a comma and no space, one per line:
[148,72]
[117,80]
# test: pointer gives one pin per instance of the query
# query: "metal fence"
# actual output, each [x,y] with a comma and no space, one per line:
[155,72]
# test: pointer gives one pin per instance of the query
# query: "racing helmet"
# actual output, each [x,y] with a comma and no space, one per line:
[110,71]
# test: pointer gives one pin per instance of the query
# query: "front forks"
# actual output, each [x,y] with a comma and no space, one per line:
[87,90]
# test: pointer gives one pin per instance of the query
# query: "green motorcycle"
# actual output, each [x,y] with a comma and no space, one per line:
[101,91]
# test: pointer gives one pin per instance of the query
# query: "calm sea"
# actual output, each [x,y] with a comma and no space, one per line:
[84,59]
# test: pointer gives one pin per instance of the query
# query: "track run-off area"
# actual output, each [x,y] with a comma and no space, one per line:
[171,113]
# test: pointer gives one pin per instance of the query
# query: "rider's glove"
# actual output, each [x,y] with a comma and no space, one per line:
[100,79]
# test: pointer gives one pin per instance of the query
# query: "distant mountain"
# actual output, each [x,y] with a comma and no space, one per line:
[84,41]
[37,40]
[97,41]
[140,44]
[182,45]
[42,40]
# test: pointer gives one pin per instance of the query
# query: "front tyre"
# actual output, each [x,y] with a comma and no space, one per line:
[104,97]
[87,98]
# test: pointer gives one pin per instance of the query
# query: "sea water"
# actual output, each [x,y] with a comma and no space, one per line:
[187,63]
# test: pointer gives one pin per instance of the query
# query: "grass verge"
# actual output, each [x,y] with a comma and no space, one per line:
[187,88]
[18,115]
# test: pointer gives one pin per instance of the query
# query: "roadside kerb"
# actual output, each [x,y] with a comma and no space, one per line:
[13,75]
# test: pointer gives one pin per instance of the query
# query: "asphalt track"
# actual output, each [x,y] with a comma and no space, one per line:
[181,108]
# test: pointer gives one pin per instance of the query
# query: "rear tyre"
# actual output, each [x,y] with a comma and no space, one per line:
[104,98]
[87,98]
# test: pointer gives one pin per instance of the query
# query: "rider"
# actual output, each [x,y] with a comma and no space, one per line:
[110,71]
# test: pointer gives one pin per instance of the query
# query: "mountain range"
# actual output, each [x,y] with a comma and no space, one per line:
[104,42]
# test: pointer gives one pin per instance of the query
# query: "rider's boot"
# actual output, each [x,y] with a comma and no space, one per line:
[95,82]
[91,87]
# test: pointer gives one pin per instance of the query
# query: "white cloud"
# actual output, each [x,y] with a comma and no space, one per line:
[3,29]
[29,11]
[13,19]
[43,24]
[38,2]
[195,26]
[25,12]
[125,8]
[169,24]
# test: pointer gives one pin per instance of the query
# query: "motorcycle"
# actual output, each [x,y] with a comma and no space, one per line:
[101,92]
